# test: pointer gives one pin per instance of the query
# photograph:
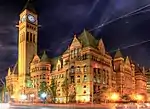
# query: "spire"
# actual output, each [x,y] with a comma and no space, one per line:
[118,54]
[9,71]
[29,6]
[44,57]
[127,61]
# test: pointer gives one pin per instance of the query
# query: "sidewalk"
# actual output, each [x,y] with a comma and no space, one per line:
[61,105]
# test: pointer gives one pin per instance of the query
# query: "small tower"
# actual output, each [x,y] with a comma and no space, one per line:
[118,60]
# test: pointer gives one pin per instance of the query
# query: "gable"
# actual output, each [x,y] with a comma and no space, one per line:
[87,39]
[59,64]
[127,61]
[75,43]
[36,59]
[101,46]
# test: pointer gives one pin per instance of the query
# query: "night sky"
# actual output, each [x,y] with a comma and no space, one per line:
[60,19]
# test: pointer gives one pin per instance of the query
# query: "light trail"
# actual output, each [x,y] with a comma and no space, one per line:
[132,13]
[125,15]
[140,12]
[132,45]
[93,7]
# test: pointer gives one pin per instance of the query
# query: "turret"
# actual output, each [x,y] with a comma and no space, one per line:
[118,60]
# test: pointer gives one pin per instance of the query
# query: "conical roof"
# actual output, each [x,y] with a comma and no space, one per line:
[44,57]
[15,69]
[29,6]
[118,54]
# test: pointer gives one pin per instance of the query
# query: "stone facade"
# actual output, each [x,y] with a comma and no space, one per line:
[86,65]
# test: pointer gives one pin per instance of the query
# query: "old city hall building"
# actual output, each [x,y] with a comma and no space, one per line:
[86,64]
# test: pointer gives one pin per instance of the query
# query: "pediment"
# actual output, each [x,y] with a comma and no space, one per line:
[75,43]
[127,61]
[36,59]
[101,46]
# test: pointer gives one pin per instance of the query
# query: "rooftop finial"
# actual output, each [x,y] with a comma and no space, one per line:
[75,35]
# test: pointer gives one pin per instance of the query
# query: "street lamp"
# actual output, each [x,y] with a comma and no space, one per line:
[43,96]
[23,97]
[139,97]
[32,97]
[114,96]
[12,98]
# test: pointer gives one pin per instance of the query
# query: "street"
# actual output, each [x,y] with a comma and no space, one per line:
[7,106]
[33,107]
[118,106]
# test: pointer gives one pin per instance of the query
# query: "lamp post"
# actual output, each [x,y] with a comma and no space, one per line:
[43,96]
[32,97]
[23,97]
[114,96]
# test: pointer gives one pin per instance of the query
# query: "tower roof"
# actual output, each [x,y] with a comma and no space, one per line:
[87,39]
[15,69]
[29,6]
[44,57]
[118,54]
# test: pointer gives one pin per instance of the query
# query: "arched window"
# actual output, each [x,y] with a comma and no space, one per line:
[66,71]
[85,68]
[72,69]
[78,69]
[78,79]
[73,53]
[76,52]
[85,78]
[84,56]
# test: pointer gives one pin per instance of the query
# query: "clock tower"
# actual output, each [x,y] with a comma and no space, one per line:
[27,42]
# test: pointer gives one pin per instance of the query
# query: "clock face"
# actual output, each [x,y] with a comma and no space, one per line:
[31,18]
[23,18]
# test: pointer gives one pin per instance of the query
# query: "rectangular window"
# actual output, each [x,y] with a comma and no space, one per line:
[30,37]
[85,78]
[72,79]
[34,38]
[27,36]
[78,80]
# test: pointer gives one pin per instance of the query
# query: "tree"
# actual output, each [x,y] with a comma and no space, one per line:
[52,90]
[43,88]
[65,88]
[29,83]
[72,93]
[103,92]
